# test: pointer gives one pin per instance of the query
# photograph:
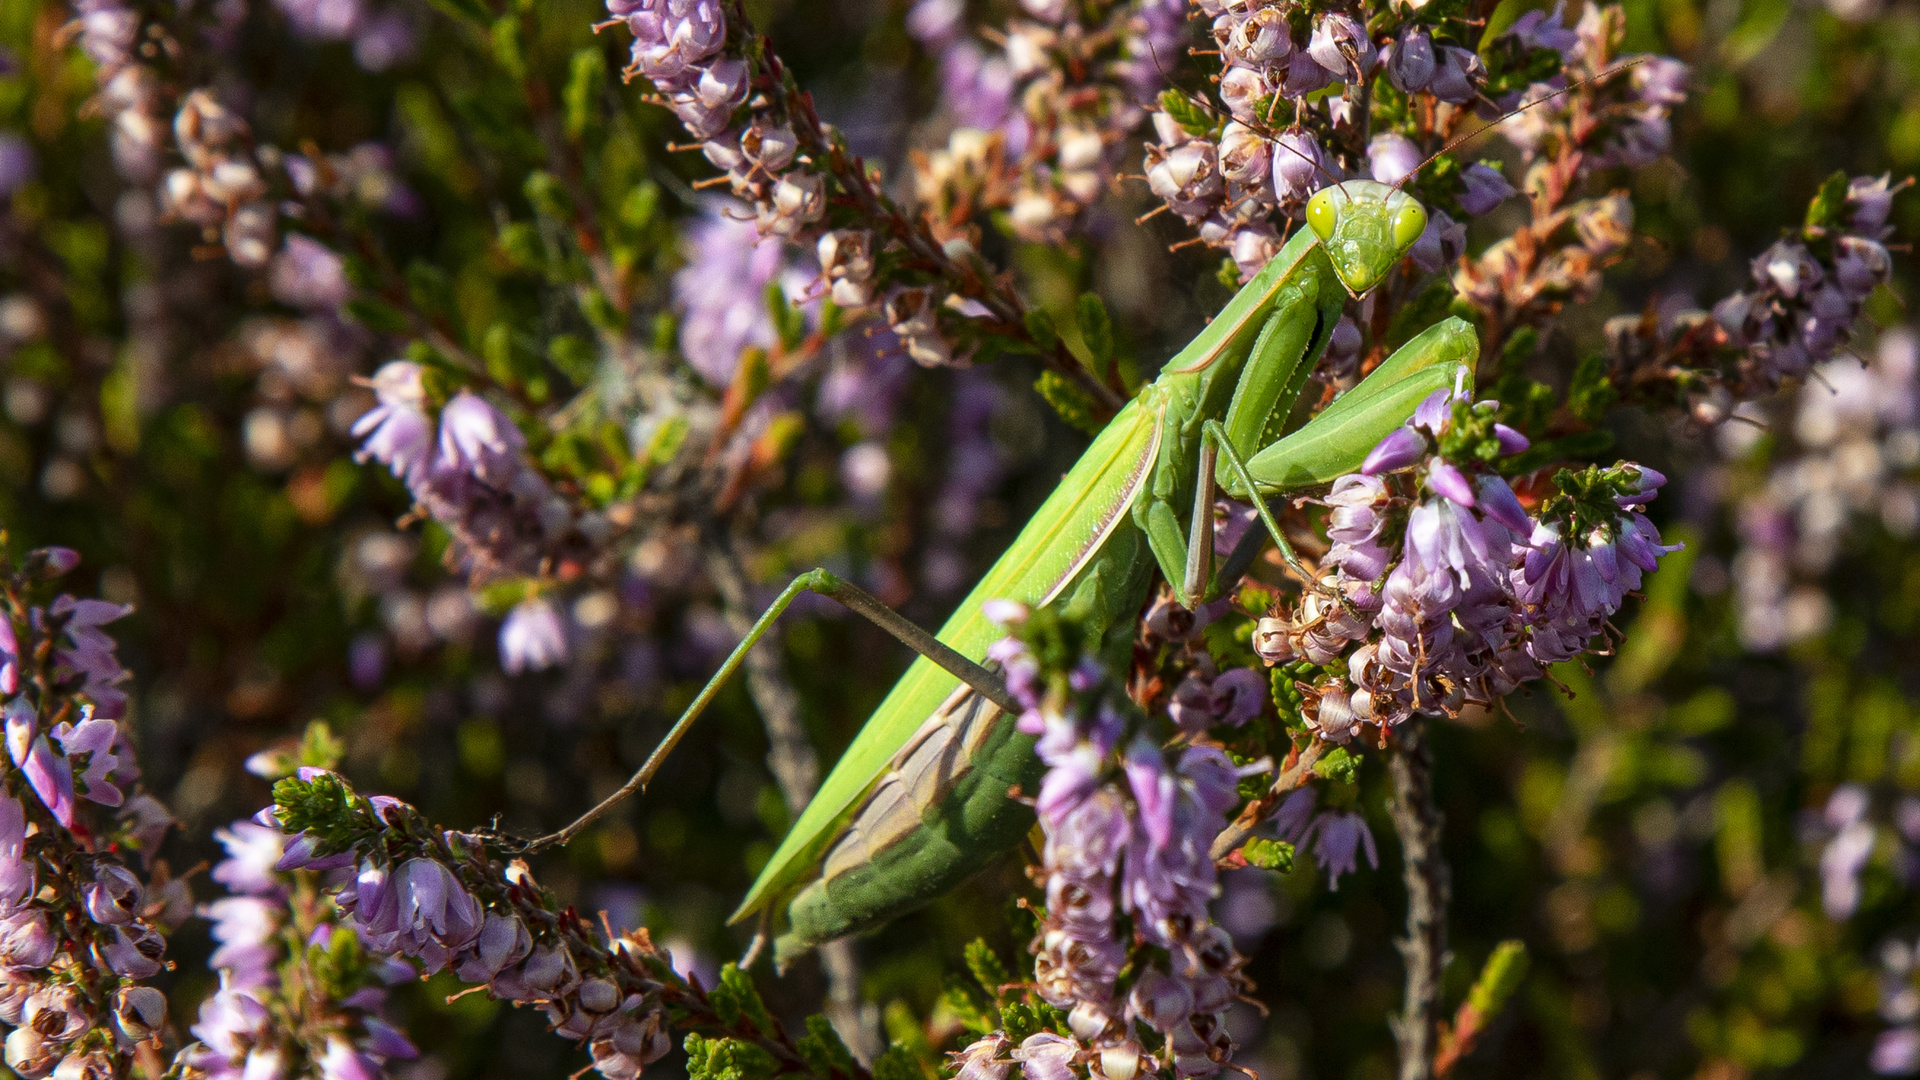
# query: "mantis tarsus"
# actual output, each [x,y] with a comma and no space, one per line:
[920,801]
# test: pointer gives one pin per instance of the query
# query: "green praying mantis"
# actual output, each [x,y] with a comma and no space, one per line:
[925,795]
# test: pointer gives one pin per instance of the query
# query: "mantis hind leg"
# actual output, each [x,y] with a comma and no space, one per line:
[855,599]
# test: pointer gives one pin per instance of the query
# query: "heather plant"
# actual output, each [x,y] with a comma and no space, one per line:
[438,393]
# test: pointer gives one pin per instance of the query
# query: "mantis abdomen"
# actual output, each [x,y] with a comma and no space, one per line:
[941,810]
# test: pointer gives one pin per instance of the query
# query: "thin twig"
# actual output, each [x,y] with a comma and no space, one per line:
[1298,770]
[1416,820]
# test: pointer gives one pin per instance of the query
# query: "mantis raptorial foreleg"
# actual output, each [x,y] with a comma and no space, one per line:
[1215,434]
[855,599]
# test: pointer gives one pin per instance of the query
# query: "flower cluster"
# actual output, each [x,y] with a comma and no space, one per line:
[1337,837]
[1444,591]
[1896,1051]
[1846,450]
[468,469]
[1041,122]
[1238,177]
[1128,835]
[680,46]
[79,928]
[1809,290]
[382,38]
[438,898]
[1585,114]
[130,91]
[275,932]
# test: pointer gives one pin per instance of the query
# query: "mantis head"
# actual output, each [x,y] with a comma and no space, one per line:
[1366,228]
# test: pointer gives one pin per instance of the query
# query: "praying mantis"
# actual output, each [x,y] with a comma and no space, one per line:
[923,797]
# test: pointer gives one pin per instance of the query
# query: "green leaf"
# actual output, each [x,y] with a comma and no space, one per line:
[1592,392]
[574,357]
[789,321]
[986,966]
[1269,854]
[1229,273]
[1828,210]
[586,74]
[1018,1020]
[897,1064]
[969,1006]
[641,204]
[823,1051]
[1187,112]
[465,10]
[520,242]
[507,51]
[1338,766]
[1499,978]
[320,749]
[1074,405]
[1096,332]
[1046,336]
[376,315]
[546,195]
[740,985]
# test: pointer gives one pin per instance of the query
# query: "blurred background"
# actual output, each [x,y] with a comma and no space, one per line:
[1711,845]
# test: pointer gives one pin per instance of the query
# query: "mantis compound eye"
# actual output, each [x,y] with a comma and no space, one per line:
[1408,223]
[1321,214]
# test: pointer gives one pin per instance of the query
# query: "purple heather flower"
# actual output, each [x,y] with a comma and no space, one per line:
[984,1058]
[1896,1052]
[1848,852]
[722,291]
[9,658]
[1233,698]
[1295,815]
[1300,167]
[532,637]
[46,772]
[1187,178]
[1410,64]
[1661,80]
[1872,201]
[25,940]
[16,872]
[134,951]
[434,909]
[18,164]
[1392,157]
[1457,75]
[246,928]
[671,35]
[1441,244]
[299,855]
[1485,189]
[114,896]
[397,432]
[306,274]
[477,440]
[1540,29]
[386,40]
[342,1062]
[503,942]
[253,853]
[95,738]
[1046,1056]
[1340,45]
[1337,838]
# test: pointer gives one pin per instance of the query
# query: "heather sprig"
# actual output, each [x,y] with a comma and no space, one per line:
[442,899]
[81,925]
